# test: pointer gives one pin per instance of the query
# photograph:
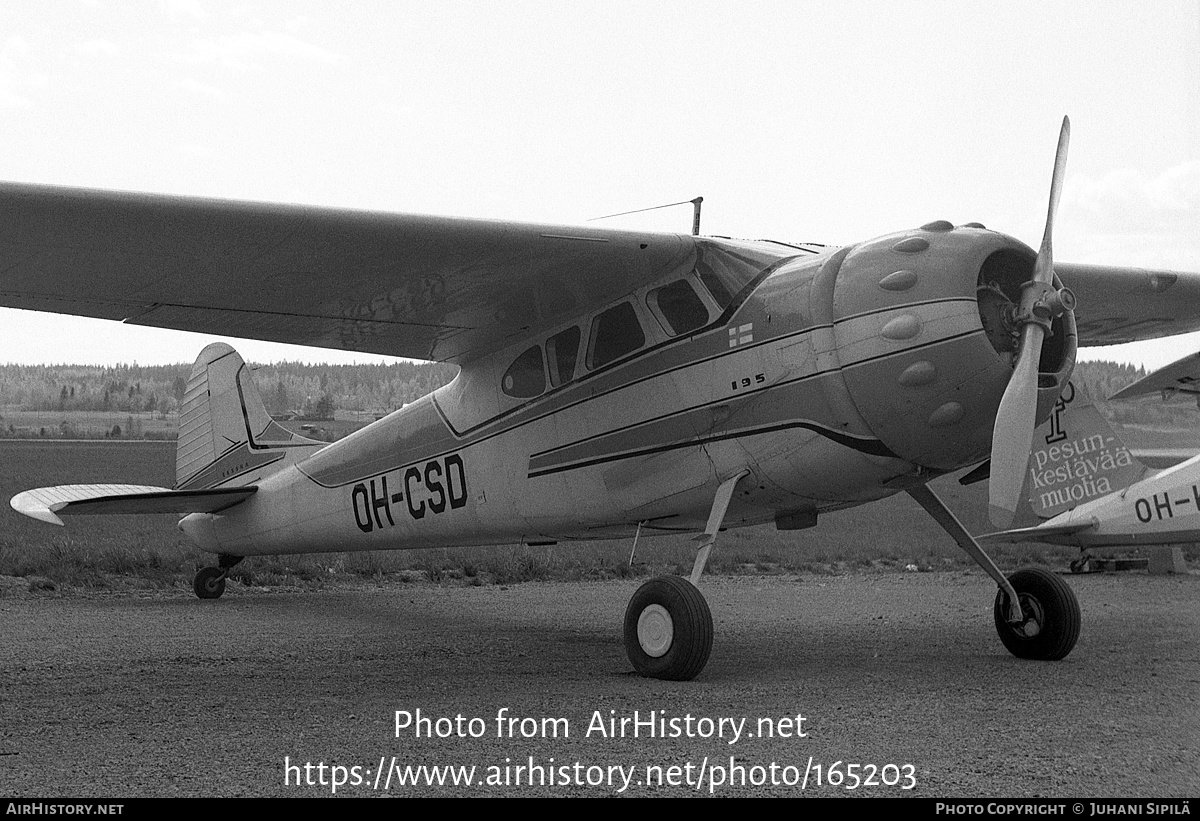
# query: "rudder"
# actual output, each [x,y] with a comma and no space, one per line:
[226,436]
[1077,457]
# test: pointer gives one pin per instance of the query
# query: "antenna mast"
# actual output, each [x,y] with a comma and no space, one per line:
[695,213]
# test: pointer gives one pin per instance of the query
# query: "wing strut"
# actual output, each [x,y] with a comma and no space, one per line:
[633,550]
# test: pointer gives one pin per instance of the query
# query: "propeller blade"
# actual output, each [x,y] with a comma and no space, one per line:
[1012,435]
[1016,417]
[1043,267]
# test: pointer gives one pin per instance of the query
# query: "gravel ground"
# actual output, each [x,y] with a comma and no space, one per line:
[125,695]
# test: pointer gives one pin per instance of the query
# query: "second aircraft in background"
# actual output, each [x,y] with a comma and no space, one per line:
[1095,492]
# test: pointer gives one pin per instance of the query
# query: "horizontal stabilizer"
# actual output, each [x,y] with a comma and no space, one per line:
[1162,458]
[1181,376]
[1036,534]
[45,503]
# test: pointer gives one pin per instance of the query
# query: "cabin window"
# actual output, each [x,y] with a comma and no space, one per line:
[615,332]
[562,351]
[526,377]
[679,307]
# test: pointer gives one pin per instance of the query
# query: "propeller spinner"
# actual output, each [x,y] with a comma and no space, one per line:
[1012,434]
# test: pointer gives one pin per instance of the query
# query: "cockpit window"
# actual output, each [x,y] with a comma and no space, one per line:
[615,332]
[726,269]
[562,351]
[715,287]
[678,306]
[526,377]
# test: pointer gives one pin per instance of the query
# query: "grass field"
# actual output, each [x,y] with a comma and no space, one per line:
[149,551]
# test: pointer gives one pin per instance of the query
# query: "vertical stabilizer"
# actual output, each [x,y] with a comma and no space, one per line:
[1077,457]
[226,436]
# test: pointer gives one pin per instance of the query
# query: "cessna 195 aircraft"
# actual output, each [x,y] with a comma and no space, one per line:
[611,381]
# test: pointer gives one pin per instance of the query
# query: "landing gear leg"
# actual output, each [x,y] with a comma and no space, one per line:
[668,625]
[209,582]
[1037,614]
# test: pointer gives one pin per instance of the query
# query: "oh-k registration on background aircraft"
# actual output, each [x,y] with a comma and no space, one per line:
[611,381]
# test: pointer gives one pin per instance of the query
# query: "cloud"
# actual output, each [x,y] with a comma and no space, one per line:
[10,98]
[185,8]
[10,101]
[16,44]
[106,48]
[202,89]
[245,49]
[197,151]
[1127,217]
[1127,200]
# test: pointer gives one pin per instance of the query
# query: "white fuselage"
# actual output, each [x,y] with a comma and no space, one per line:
[834,378]
[1160,509]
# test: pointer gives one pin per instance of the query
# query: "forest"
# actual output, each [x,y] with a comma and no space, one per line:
[309,391]
[142,401]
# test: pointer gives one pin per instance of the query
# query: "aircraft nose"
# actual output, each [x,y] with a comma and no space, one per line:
[919,320]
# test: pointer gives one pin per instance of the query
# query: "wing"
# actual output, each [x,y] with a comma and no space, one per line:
[1130,304]
[1181,376]
[404,285]
[415,286]
[46,503]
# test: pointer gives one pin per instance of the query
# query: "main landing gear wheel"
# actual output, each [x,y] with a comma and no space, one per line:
[1052,618]
[209,582]
[668,629]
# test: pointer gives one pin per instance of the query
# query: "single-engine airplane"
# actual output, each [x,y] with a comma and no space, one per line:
[1095,492]
[611,381]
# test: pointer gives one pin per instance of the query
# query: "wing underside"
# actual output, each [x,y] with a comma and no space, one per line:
[405,285]
[1118,304]
[416,286]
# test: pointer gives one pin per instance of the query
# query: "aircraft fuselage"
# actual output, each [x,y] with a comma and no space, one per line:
[835,377]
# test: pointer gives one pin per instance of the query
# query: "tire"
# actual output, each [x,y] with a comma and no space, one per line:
[1052,617]
[668,629]
[209,583]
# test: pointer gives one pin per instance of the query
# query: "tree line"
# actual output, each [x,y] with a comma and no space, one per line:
[319,391]
[1103,379]
[287,388]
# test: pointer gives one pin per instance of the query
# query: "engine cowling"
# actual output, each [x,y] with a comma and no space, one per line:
[923,325]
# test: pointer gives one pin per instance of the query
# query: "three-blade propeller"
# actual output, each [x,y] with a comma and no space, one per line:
[1012,435]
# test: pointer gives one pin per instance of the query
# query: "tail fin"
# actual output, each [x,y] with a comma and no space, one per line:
[1077,456]
[226,436]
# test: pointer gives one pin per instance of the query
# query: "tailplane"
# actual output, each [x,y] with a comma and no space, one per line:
[227,442]
[226,436]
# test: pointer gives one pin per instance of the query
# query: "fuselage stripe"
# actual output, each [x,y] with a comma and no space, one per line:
[873,447]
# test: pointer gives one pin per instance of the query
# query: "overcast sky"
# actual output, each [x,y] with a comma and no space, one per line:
[827,122]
